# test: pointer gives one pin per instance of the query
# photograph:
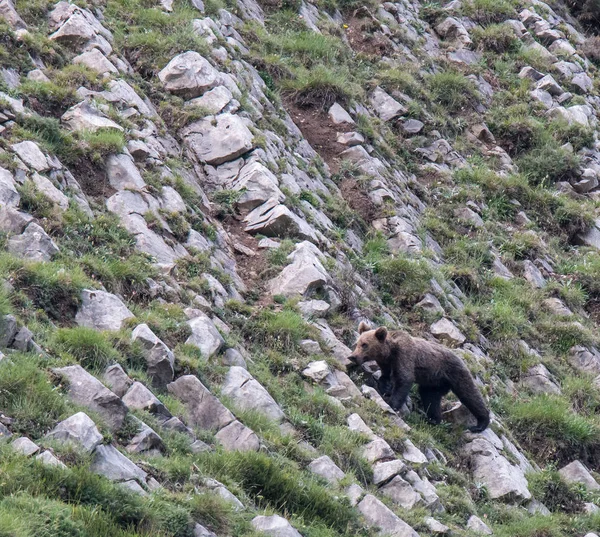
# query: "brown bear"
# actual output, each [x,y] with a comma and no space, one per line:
[404,359]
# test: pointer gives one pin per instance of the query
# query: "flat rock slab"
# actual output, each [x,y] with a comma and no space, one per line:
[327,469]
[102,311]
[248,394]
[159,358]
[219,139]
[33,244]
[112,464]
[188,75]
[88,391]
[575,472]
[79,429]
[237,437]
[275,525]
[205,335]
[378,515]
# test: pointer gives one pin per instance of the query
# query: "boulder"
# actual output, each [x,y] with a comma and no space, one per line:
[275,526]
[188,75]
[204,409]
[576,472]
[219,139]
[79,429]
[221,490]
[234,357]
[138,397]
[401,493]
[10,15]
[46,188]
[101,310]
[378,450]
[385,106]
[539,380]
[273,219]
[205,335]
[452,29]
[96,61]
[311,309]
[84,389]
[384,471]
[478,526]
[446,331]
[84,117]
[9,196]
[30,153]
[327,469]
[533,275]
[257,184]
[435,526]
[112,464]
[339,116]
[377,515]
[238,437]
[413,454]
[214,100]
[146,440]
[24,446]
[305,273]
[117,380]
[33,244]
[49,459]
[123,174]
[248,394]
[159,358]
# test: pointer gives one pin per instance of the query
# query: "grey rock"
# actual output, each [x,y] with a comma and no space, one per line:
[101,310]
[9,13]
[214,100]
[188,75]
[112,464]
[234,357]
[313,308]
[159,358]
[385,106]
[205,335]
[45,187]
[30,153]
[4,432]
[401,493]
[79,430]
[339,116]
[310,346]
[257,184]
[384,471]
[538,508]
[430,304]
[84,117]
[24,446]
[533,275]
[123,174]
[23,340]
[276,220]
[175,424]
[377,515]
[133,486]
[539,380]
[86,390]
[201,531]
[34,244]
[354,493]
[9,196]
[117,380]
[303,275]
[453,29]
[147,440]
[204,409]
[435,526]
[238,437]
[413,454]
[413,126]
[446,331]
[8,330]
[583,83]
[96,61]
[576,472]
[378,450]
[327,469]
[138,397]
[49,459]
[476,525]
[248,394]
[219,139]
[350,139]
[275,526]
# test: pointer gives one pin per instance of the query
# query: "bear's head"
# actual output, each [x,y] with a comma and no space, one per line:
[371,345]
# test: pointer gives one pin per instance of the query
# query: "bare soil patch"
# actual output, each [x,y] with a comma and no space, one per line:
[361,39]
[319,130]
[358,200]
[92,179]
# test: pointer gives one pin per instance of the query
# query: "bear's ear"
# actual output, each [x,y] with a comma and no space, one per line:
[363,327]
[381,334]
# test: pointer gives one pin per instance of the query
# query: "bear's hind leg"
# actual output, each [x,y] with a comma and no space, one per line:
[431,399]
[469,395]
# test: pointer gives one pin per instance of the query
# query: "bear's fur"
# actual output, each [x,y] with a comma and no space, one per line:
[404,359]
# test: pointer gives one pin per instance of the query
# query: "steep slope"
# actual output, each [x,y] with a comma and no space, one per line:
[200,201]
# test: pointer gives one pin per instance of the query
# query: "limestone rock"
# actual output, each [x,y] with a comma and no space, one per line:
[401,493]
[273,219]
[413,454]
[123,174]
[238,437]
[117,380]
[84,117]
[159,358]
[476,525]
[112,464]
[327,469]
[214,100]
[275,526]
[377,515]
[101,310]
[378,450]
[446,330]
[384,471]
[205,335]
[248,394]
[24,446]
[34,244]
[219,139]
[539,380]
[86,390]
[79,429]
[9,13]
[45,186]
[303,275]
[385,106]
[138,397]
[339,116]
[49,459]
[30,153]
[188,75]
[575,472]
[436,526]
[96,61]
[9,196]
[257,184]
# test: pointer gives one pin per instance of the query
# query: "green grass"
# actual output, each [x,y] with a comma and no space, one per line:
[403,278]
[489,11]
[89,347]
[280,330]
[496,38]
[452,90]
[28,396]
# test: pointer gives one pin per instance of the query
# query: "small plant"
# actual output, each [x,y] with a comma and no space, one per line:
[549,164]
[489,11]
[403,278]
[498,38]
[452,90]
[281,330]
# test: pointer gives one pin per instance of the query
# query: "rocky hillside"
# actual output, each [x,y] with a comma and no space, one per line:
[200,201]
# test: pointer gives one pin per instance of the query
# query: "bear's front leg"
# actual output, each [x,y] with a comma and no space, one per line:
[400,394]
